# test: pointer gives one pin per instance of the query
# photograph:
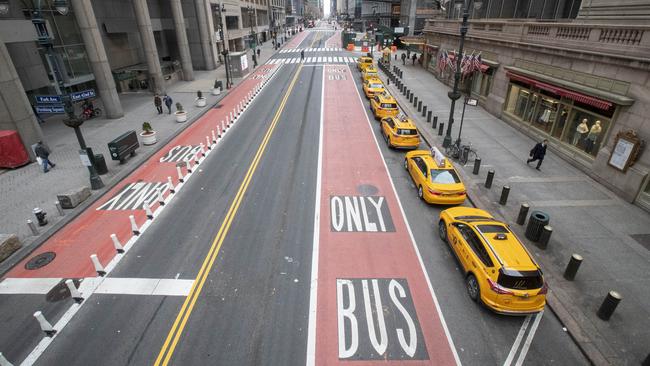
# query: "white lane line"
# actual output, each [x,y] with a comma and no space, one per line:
[408,228]
[529,339]
[28,286]
[313,289]
[515,346]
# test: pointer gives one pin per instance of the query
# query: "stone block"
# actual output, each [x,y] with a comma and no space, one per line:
[9,243]
[73,198]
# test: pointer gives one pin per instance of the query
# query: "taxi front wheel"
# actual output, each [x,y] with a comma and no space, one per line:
[442,230]
[472,287]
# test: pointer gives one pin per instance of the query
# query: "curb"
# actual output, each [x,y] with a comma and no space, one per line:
[581,336]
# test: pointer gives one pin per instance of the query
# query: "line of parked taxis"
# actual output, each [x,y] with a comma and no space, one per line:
[500,273]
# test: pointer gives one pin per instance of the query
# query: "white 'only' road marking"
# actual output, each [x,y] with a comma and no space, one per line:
[524,348]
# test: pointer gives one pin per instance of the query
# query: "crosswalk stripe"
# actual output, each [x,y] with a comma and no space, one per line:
[329,59]
[309,59]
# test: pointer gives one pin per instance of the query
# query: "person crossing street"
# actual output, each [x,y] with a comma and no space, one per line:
[537,153]
[302,55]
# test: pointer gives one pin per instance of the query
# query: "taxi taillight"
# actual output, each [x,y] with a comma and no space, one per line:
[498,288]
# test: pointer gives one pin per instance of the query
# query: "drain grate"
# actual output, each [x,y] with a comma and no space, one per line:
[367,190]
[60,291]
[40,260]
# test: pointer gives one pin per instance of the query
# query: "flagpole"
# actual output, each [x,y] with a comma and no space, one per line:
[454,95]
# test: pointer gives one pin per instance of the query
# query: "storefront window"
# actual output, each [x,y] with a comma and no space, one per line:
[532,106]
[558,128]
[518,99]
[586,130]
[546,114]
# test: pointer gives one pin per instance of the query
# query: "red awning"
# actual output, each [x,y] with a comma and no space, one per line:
[483,67]
[582,98]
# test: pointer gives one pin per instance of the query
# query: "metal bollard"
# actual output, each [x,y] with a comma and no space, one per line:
[74,293]
[545,237]
[411,98]
[572,267]
[609,305]
[424,111]
[4,361]
[32,227]
[415,101]
[429,114]
[45,325]
[523,213]
[57,204]
[477,166]
[419,105]
[408,94]
[489,179]
[116,243]
[504,195]
[98,266]
[441,128]
[435,122]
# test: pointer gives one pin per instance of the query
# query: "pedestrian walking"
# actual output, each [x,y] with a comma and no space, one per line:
[168,103]
[403,59]
[254,61]
[408,53]
[302,55]
[537,153]
[414,57]
[158,103]
[259,51]
[43,153]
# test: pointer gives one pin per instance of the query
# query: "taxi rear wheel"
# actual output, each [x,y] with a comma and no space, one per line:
[442,230]
[420,193]
[473,290]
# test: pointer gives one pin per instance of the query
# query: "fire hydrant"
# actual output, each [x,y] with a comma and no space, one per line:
[40,216]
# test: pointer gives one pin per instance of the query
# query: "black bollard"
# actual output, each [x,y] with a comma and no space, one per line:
[572,267]
[435,122]
[609,305]
[441,128]
[489,179]
[504,195]
[401,74]
[545,236]
[523,213]
[429,114]
[415,101]
[411,97]
[388,81]
[424,110]
[408,94]
[477,166]
[419,105]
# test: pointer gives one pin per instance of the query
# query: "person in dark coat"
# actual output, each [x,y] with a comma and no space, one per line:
[414,57]
[302,54]
[259,52]
[44,153]
[403,59]
[168,103]
[537,153]
[158,103]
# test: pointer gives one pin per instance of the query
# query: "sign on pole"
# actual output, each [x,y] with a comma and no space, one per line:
[86,94]
[52,109]
[48,99]
[471,101]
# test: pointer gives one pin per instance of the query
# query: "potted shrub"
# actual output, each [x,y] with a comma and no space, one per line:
[148,134]
[217,89]
[181,115]
[200,101]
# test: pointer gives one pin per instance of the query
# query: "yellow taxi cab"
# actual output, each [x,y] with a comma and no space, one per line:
[369,72]
[400,132]
[499,272]
[434,176]
[372,86]
[364,61]
[383,105]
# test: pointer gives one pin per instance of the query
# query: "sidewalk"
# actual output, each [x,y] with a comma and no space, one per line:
[28,187]
[587,219]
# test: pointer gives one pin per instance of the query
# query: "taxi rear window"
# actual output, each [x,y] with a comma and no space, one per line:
[520,280]
[388,105]
[488,229]
[376,86]
[406,131]
[444,176]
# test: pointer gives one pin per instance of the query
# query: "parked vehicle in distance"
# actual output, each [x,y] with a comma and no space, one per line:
[364,61]
[372,86]
[383,105]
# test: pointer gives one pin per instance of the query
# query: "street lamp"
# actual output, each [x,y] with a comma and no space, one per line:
[222,9]
[251,12]
[454,95]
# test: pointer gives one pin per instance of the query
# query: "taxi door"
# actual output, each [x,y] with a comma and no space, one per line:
[457,238]
[387,126]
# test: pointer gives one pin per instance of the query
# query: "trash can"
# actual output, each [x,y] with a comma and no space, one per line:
[100,164]
[218,84]
[536,223]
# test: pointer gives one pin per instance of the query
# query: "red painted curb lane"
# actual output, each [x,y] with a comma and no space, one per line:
[296,41]
[334,41]
[350,159]
[89,233]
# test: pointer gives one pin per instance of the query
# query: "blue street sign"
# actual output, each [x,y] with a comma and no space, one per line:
[53,109]
[48,99]
[86,94]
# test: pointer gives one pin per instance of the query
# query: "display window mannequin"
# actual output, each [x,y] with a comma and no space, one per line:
[592,137]
[581,130]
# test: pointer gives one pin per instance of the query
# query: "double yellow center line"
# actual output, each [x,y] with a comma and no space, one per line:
[176,331]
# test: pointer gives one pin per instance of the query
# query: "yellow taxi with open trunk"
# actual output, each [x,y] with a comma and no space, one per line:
[400,132]
[435,177]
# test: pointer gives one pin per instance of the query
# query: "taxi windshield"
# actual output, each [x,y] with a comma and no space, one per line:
[376,85]
[444,176]
[388,105]
[406,131]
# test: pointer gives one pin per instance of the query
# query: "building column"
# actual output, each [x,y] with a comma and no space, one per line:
[15,111]
[181,40]
[204,34]
[85,16]
[149,45]
[413,5]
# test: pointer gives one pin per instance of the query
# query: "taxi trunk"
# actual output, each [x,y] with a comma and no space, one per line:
[517,292]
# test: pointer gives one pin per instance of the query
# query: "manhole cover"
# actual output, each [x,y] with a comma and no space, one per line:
[60,291]
[40,260]
[367,189]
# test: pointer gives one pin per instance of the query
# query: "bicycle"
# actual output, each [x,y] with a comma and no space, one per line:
[462,153]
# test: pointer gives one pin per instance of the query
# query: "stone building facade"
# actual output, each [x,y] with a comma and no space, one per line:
[578,83]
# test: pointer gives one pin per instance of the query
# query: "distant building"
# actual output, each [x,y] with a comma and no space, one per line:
[577,74]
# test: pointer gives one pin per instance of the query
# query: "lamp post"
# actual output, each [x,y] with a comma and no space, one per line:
[222,9]
[454,95]
[73,121]
[251,12]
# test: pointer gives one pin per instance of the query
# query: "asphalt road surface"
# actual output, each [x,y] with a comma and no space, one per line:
[238,244]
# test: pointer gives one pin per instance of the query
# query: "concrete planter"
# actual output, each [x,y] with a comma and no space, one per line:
[200,102]
[148,138]
[181,116]
[216,91]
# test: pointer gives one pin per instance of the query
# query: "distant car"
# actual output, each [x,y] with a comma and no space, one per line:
[499,272]
[400,132]
[372,86]
[364,61]
[383,105]
[435,178]
[369,72]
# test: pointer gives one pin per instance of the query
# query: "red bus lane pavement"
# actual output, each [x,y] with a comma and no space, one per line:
[371,300]
[296,40]
[90,232]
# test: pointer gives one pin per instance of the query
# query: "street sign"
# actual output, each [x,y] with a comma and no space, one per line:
[48,99]
[85,159]
[471,101]
[52,109]
[86,94]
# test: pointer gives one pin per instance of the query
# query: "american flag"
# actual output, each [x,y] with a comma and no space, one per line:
[443,60]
